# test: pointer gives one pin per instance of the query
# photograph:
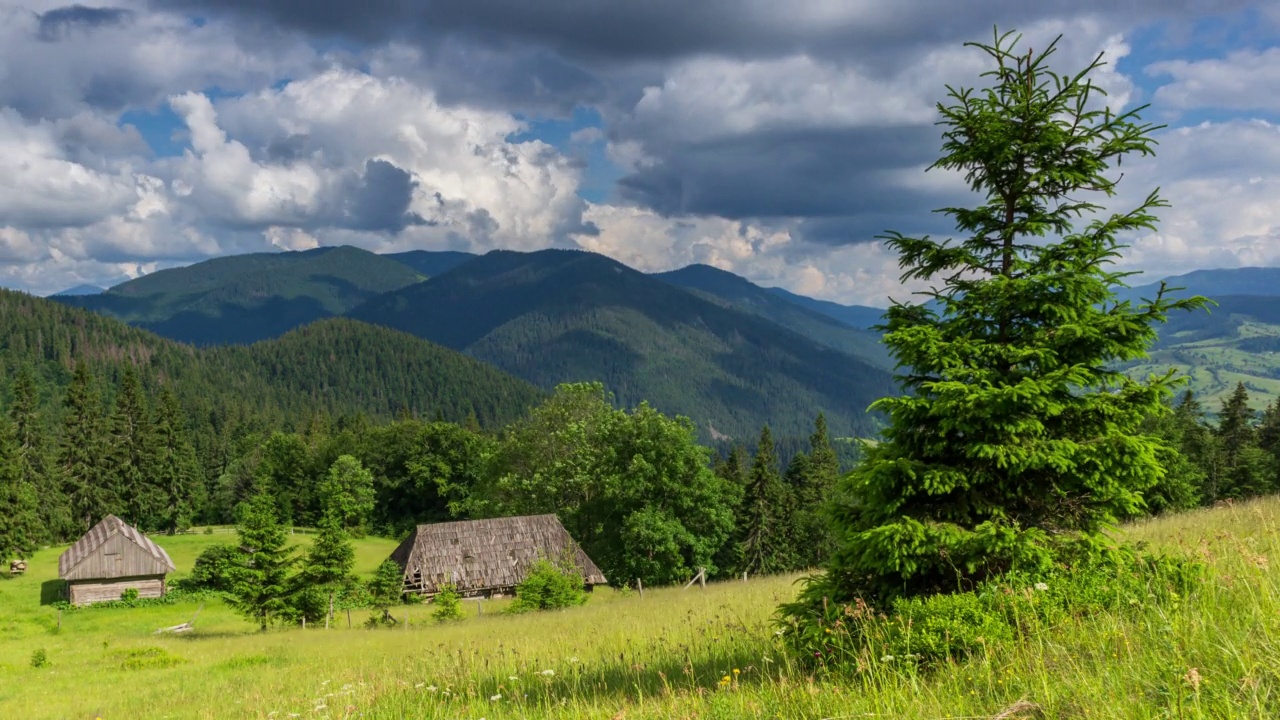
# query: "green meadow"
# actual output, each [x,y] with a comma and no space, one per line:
[672,653]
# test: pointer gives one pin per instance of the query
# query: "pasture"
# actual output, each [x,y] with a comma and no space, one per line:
[672,654]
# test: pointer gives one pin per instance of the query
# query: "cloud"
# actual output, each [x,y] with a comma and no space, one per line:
[1243,80]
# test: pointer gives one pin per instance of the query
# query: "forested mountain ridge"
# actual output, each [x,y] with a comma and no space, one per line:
[245,298]
[725,288]
[558,316]
[336,367]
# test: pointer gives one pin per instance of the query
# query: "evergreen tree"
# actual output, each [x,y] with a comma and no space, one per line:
[1014,434]
[80,455]
[812,479]
[733,473]
[766,515]
[1183,480]
[34,462]
[20,528]
[1269,441]
[386,588]
[174,469]
[128,452]
[260,582]
[1246,468]
[332,555]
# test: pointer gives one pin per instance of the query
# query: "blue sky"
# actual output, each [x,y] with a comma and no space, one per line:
[774,145]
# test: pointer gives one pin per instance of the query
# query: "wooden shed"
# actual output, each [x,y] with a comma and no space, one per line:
[111,558]
[487,557]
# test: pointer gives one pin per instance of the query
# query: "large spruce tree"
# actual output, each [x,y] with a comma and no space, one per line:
[128,451]
[260,583]
[1015,433]
[174,471]
[80,454]
[35,462]
[21,531]
[812,478]
[765,522]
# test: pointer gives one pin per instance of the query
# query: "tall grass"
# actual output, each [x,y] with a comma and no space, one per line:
[674,653]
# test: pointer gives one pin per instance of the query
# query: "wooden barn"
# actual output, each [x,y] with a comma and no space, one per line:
[111,558]
[487,557]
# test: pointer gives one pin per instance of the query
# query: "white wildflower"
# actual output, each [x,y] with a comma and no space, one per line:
[1042,586]
[512,677]
[548,672]
[887,658]
[495,698]
[573,659]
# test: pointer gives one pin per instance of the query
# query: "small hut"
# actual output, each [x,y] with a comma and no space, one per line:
[487,557]
[111,558]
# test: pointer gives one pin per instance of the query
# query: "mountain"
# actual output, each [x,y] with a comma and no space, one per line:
[337,367]
[432,262]
[560,316]
[80,290]
[245,298]
[1249,281]
[725,288]
[859,316]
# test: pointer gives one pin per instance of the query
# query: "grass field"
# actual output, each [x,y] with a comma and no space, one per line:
[665,655]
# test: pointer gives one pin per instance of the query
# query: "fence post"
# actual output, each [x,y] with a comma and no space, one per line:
[329,618]
[702,578]
[640,587]
[348,618]
[744,576]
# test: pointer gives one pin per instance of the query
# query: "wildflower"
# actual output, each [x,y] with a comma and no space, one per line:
[887,658]
[548,672]
[418,685]
[573,659]
[1192,678]
[1042,586]
[512,677]
[432,688]
[495,698]
[320,707]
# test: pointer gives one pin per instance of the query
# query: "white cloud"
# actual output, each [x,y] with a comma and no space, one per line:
[1243,80]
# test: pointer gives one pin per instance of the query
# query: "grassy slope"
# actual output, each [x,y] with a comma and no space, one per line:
[661,656]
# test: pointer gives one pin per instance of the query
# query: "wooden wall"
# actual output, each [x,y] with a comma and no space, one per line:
[118,557]
[84,592]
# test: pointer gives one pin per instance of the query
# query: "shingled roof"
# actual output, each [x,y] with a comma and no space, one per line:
[480,556]
[139,555]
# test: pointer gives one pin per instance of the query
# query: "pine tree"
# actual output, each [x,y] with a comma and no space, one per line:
[173,468]
[332,555]
[812,479]
[260,585]
[37,468]
[766,515]
[1269,442]
[1247,470]
[80,455]
[733,471]
[20,528]
[386,588]
[1015,434]
[128,466]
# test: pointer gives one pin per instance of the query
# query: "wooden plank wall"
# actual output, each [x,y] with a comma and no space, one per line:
[118,557]
[89,591]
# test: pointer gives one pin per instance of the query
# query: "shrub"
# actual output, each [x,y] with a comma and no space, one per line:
[212,569]
[144,658]
[854,636]
[448,605]
[39,658]
[208,530]
[130,595]
[548,587]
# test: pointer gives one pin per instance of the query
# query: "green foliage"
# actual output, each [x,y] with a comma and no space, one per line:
[812,480]
[39,658]
[145,658]
[332,555]
[633,488]
[347,494]
[1013,429]
[260,580]
[850,636]
[447,605]
[20,527]
[387,585]
[129,595]
[80,456]
[766,521]
[213,569]
[548,586]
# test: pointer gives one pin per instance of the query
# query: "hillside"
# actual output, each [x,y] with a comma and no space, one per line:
[337,367]
[432,262]
[736,292]
[245,298]
[859,316]
[557,316]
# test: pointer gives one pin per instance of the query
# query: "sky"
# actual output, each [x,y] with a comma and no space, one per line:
[771,139]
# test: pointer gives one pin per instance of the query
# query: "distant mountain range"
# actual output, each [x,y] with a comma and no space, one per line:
[697,341]
[80,290]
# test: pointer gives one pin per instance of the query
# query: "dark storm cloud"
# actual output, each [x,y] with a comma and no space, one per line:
[60,23]
[816,173]
[379,201]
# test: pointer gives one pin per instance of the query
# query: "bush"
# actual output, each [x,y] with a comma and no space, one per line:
[448,605]
[212,569]
[924,630]
[548,587]
[130,595]
[39,658]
